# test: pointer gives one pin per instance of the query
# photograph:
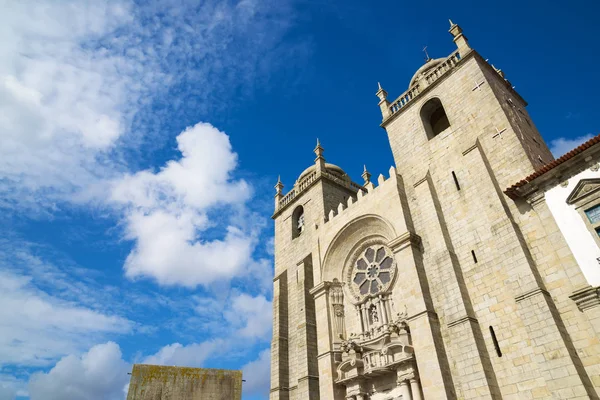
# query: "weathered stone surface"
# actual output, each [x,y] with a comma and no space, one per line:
[155,382]
[479,304]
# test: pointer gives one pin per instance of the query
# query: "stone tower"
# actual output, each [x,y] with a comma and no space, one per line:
[432,283]
[318,191]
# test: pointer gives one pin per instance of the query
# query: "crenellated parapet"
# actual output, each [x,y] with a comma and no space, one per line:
[368,191]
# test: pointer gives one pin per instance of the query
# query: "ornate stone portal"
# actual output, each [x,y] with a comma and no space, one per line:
[378,362]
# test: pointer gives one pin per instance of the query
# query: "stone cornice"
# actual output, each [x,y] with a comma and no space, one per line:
[586,298]
[531,293]
[406,239]
[320,289]
[461,320]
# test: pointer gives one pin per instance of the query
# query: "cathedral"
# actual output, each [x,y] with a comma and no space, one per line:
[470,271]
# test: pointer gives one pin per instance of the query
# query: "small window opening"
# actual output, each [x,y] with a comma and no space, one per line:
[474,256]
[455,181]
[495,340]
[298,225]
[434,118]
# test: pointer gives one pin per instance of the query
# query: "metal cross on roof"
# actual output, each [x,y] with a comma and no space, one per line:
[426,55]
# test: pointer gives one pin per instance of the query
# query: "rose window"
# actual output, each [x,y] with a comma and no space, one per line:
[373,271]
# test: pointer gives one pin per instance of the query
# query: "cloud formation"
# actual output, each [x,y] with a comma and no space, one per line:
[563,145]
[83,85]
[99,374]
[257,375]
[167,213]
[7,393]
[88,91]
[36,327]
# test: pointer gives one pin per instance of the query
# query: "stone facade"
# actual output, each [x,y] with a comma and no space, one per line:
[432,283]
[157,382]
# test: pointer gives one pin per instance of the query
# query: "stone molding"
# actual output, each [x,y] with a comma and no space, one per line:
[586,298]
[583,189]
[531,293]
[320,289]
[407,238]
[461,320]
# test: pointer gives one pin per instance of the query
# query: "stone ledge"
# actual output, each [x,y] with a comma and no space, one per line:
[407,238]
[531,293]
[586,298]
[320,289]
[308,377]
[461,321]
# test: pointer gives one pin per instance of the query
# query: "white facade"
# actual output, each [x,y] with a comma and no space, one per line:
[574,228]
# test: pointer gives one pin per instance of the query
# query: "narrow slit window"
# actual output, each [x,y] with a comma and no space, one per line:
[474,256]
[495,340]
[455,181]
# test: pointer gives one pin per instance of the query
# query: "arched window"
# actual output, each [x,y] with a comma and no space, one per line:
[434,118]
[297,222]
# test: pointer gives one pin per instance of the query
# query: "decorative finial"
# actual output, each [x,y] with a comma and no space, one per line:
[320,160]
[381,93]
[459,38]
[278,185]
[366,175]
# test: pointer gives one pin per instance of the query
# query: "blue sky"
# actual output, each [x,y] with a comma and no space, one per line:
[140,142]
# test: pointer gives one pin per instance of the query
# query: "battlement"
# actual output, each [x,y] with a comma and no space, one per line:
[368,190]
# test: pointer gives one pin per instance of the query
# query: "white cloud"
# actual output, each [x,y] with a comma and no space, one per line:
[562,145]
[251,315]
[78,82]
[36,328]
[167,211]
[257,375]
[192,355]
[7,393]
[99,374]
[60,102]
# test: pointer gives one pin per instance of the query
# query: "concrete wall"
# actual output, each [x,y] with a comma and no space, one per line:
[154,382]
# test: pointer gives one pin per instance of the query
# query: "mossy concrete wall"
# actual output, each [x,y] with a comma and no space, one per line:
[155,382]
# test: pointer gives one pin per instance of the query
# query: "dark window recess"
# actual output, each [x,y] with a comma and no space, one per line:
[455,181]
[297,222]
[474,256]
[434,118]
[495,340]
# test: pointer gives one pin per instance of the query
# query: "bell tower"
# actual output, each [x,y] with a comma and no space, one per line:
[460,134]
[455,103]
[298,216]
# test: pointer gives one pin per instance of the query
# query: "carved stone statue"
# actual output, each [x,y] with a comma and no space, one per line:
[373,312]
